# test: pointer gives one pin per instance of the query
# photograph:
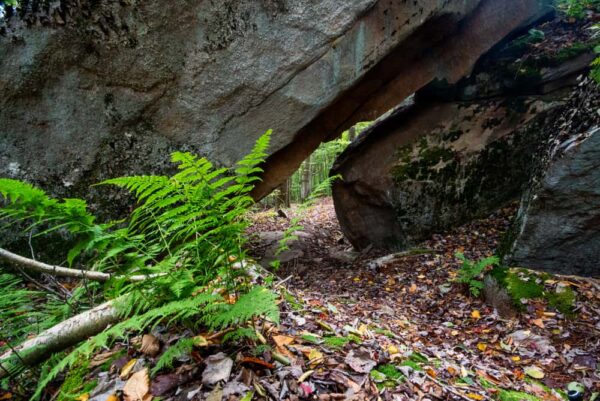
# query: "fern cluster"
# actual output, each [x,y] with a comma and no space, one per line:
[187,233]
[471,272]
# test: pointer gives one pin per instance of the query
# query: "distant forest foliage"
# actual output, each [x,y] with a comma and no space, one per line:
[313,171]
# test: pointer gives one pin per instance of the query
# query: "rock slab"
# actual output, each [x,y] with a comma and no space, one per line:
[558,223]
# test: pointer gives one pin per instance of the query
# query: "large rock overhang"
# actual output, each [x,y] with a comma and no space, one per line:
[444,48]
[115,90]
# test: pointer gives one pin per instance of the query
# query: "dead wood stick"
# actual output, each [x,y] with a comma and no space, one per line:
[61,336]
[40,267]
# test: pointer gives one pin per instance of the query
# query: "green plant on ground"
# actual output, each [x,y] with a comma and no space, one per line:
[471,272]
[577,8]
[187,235]
[522,284]
[289,234]
[335,342]
[75,384]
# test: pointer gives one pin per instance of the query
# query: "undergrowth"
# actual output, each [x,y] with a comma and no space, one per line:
[187,234]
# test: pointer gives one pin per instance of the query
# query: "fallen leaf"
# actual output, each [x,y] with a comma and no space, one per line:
[200,341]
[314,358]
[475,314]
[360,361]
[539,323]
[100,359]
[305,375]
[215,395]
[112,397]
[218,367]
[482,347]
[137,387]
[282,341]
[150,345]
[475,396]
[535,372]
[126,370]
[258,361]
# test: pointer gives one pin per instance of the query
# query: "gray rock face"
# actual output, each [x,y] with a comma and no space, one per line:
[121,84]
[457,152]
[558,223]
[431,166]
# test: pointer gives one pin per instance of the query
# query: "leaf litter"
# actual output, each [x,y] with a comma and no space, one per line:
[375,327]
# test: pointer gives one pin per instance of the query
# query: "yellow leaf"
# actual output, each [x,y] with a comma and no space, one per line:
[413,288]
[535,372]
[392,349]
[305,376]
[475,396]
[515,358]
[6,396]
[200,341]
[475,314]
[83,397]
[315,357]
[112,397]
[362,329]
[482,346]
[126,370]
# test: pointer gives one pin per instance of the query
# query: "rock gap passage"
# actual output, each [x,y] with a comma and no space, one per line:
[334,200]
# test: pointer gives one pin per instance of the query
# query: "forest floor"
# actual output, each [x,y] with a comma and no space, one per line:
[408,309]
[357,327]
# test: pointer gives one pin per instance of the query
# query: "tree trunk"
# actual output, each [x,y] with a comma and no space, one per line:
[305,184]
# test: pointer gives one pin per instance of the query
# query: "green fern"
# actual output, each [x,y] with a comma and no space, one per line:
[182,347]
[187,230]
[258,302]
[471,272]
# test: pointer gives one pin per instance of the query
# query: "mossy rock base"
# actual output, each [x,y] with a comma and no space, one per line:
[438,165]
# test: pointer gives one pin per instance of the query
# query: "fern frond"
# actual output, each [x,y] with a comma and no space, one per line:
[181,347]
[258,302]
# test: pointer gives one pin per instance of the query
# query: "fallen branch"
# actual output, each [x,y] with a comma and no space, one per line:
[60,337]
[384,260]
[78,328]
[40,267]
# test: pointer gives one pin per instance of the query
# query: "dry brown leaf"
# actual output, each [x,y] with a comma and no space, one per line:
[137,387]
[281,341]
[150,345]
[539,323]
[100,359]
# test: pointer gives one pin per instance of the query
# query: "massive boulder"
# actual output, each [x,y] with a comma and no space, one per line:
[430,166]
[558,224]
[109,87]
[457,152]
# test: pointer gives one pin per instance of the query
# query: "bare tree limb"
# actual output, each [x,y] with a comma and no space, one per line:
[61,336]
[40,267]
